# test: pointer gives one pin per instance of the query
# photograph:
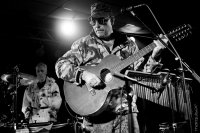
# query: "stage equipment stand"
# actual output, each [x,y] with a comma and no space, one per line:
[14,109]
[129,99]
[168,81]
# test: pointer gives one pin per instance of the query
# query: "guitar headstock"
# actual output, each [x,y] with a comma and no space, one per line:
[180,32]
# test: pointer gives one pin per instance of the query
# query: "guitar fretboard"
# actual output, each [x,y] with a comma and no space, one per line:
[124,63]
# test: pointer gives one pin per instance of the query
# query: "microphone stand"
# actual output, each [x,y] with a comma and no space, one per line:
[15,98]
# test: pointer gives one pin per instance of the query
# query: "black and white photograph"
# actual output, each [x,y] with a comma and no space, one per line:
[99,66]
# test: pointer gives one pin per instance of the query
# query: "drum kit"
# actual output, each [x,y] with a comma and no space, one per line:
[10,84]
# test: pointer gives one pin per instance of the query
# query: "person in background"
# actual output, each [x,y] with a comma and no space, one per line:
[90,50]
[42,99]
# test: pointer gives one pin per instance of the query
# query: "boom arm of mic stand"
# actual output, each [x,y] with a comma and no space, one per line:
[135,81]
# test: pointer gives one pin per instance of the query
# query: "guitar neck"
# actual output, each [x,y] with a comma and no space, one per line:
[126,62]
[177,34]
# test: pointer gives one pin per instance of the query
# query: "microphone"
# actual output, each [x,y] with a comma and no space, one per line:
[130,8]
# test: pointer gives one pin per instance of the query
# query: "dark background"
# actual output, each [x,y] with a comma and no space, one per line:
[27,35]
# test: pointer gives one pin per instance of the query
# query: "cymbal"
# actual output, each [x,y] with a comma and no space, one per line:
[130,28]
[25,79]
[7,77]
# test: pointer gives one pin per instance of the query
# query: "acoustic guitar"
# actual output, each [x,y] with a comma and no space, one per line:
[88,101]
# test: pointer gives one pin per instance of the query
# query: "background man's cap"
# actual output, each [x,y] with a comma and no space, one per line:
[99,10]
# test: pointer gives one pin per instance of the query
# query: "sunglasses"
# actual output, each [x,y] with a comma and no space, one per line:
[102,21]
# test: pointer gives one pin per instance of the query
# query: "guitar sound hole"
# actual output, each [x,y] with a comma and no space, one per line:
[106,75]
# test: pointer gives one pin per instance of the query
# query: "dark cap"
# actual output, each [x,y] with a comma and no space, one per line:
[99,10]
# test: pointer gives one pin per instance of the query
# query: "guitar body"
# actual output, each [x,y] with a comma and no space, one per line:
[85,103]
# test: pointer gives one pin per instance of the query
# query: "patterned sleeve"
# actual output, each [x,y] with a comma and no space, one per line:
[134,50]
[152,63]
[67,66]
[141,64]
